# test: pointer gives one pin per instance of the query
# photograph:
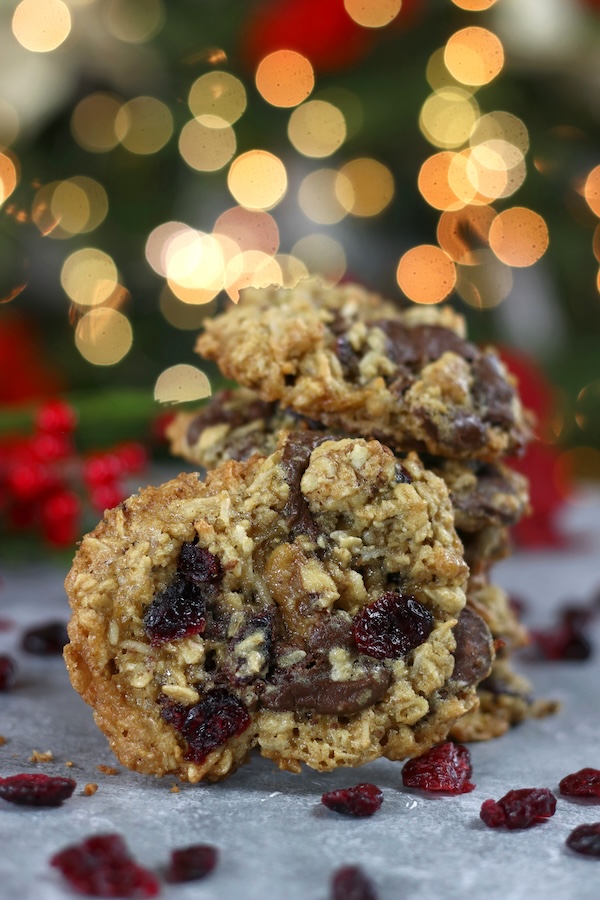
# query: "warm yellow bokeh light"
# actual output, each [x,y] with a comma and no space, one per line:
[317,128]
[285,78]
[437,73]
[474,56]
[77,205]
[474,5]
[218,94]
[104,336]
[591,190]
[323,257]
[501,126]
[251,269]
[195,264]
[426,274]
[157,244]
[250,229]
[372,186]
[180,384]
[144,125]
[9,176]
[325,196]
[518,236]
[293,269]
[184,316]
[504,157]
[486,172]
[486,283]
[89,276]
[133,21]
[41,25]
[462,234]
[434,182]
[448,116]
[373,13]
[257,179]
[205,147]
[93,122]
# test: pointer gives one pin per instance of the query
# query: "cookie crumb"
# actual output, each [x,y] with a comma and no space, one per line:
[37,756]
[175,789]
[90,789]
[69,763]
[108,770]
[2,740]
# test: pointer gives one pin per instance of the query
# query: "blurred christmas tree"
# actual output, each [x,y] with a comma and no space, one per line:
[158,157]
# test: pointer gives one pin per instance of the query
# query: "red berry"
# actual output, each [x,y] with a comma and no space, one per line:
[192,863]
[26,481]
[519,809]
[106,496]
[102,469]
[102,867]
[60,517]
[585,783]
[585,839]
[50,446]
[36,790]
[351,883]
[8,672]
[132,456]
[446,767]
[362,800]
[56,415]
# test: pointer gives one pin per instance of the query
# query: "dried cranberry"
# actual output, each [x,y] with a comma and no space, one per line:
[102,867]
[45,640]
[36,790]
[177,612]
[391,626]
[351,883]
[446,767]
[209,724]
[192,863]
[362,800]
[8,672]
[568,638]
[198,565]
[585,839]
[519,809]
[585,783]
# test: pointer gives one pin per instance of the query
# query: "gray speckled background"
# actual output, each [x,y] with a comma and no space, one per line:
[276,839]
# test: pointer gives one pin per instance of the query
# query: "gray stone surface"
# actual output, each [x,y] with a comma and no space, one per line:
[276,839]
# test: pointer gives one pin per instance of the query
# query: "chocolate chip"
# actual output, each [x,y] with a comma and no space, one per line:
[473,654]
[295,458]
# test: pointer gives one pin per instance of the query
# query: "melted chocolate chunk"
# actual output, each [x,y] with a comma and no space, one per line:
[349,359]
[416,347]
[294,460]
[473,654]
[465,432]
[217,412]
[492,391]
[480,505]
[501,688]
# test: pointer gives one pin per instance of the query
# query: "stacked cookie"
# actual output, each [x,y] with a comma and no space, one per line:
[322,593]
[314,359]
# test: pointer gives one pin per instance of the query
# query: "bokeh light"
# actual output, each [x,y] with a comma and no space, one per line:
[372,185]
[317,128]
[285,78]
[183,316]
[207,147]
[250,229]
[180,384]
[195,264]
[9,176]
[503,158]
[41,25]
[463,233]
[587,405]
[591,190]
[62,209]
[349,104]
[448,117]
[325,196]
[252,268]
[157,244]
[144,125]
[426,274]
[218,94]
[485,282]
[89,276]
[434,182]
[323,256]
[257,179]
[133,21]
[9,123]
[518,236]
[474,5]
[596,242]
[504,126]
[373,13]
[474,55]
[292,269]
[104,336]
[93,122]
[437,73]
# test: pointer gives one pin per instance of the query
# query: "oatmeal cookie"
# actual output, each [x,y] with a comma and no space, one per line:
[353,361]
[310,603]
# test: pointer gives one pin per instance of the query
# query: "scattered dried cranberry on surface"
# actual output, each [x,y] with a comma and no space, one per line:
[351,883]
[46,640]
[8,672]
[36,789]
[446,767]
[585,839]
[101,866]
[192,863]
[391,626]
[208,724]
[362,800]
[519,809]
[585,783]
